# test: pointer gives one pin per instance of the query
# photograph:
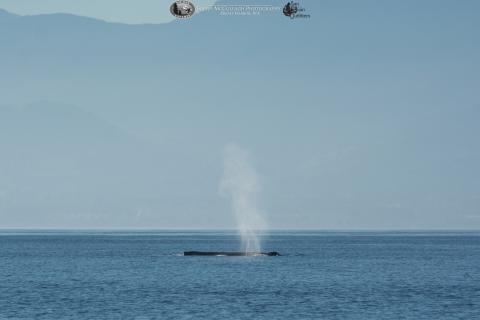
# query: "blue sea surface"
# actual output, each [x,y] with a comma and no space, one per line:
[321,275]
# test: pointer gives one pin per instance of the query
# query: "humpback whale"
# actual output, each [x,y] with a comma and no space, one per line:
[230,254]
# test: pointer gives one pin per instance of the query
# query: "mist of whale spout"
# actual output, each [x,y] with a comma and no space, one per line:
[241,186]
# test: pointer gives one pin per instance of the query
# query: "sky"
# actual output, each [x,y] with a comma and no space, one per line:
[123,11]
[364,116]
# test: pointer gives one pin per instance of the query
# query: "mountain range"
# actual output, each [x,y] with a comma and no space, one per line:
[364,115]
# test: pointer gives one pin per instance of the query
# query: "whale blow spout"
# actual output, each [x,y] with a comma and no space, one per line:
[230,254]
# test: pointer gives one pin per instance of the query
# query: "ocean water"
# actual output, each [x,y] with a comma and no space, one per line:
[321,275]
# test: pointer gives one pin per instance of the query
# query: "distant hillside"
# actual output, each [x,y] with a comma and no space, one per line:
[367,110]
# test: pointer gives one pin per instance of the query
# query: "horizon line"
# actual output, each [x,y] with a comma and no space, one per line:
[236,230]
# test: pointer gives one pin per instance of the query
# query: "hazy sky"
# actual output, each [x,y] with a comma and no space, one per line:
[125,11]
[365,116]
